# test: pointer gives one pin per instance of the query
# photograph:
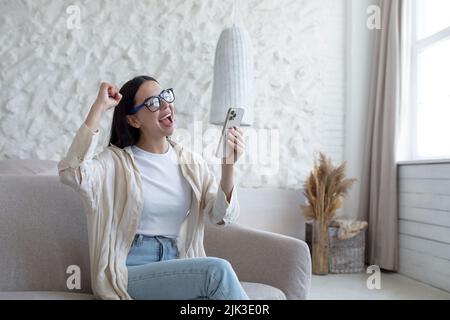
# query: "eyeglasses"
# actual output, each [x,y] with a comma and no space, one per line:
[153,103]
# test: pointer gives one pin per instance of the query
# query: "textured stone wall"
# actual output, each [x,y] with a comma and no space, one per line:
[50,73]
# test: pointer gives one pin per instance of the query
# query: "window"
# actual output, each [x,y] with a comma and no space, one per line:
[431,79]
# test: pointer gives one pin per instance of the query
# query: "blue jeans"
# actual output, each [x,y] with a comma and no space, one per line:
[155,272]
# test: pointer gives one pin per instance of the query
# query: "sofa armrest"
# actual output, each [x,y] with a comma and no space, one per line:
[263,257]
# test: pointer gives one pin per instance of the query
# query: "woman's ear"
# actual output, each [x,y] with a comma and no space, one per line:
[132,121]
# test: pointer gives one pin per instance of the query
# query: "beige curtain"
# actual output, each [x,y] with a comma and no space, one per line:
[378,199]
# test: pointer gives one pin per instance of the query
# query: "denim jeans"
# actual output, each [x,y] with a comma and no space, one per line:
[155,272]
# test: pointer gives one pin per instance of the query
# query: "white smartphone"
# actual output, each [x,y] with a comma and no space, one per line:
[233,119]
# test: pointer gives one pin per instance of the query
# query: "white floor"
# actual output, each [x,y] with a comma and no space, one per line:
[353,287]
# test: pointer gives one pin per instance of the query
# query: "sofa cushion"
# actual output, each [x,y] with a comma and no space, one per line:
[44,295]
[259,291]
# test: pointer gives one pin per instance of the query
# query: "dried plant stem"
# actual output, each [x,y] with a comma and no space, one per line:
[320,248]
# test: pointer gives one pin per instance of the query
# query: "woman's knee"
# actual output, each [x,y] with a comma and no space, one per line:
[223,281]
[218,266]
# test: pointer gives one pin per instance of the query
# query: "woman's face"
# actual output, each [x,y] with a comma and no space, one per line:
[151,123]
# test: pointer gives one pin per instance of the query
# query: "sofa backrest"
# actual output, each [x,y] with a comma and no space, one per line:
[42,232]
[273,210]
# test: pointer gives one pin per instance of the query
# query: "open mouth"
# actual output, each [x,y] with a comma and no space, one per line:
[167,120]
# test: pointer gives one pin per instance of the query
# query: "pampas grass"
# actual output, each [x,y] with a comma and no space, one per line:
[325,189]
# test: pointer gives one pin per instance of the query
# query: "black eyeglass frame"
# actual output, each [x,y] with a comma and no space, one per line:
[146,102]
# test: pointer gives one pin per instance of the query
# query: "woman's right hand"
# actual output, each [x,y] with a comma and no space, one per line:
[108,96]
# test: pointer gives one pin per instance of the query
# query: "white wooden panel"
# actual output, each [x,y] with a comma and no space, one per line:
[274,210]
[429,263]
[428,186]
[423,274]
[424,223]
[425,201]
[426,171]
[428,216]
[426,247]
[425,231]
[413,271]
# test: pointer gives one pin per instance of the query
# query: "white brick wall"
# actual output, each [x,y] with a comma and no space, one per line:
[49,74]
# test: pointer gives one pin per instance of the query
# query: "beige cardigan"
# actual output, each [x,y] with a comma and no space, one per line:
[110,187]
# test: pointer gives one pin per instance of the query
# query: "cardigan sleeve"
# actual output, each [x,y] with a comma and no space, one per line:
[217,208]
[80,168]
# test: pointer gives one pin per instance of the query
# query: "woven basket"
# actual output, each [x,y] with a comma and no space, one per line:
[346,256]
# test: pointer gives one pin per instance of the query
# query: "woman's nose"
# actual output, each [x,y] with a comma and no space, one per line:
[164,104]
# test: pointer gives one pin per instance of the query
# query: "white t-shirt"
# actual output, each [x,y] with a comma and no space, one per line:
[167,194]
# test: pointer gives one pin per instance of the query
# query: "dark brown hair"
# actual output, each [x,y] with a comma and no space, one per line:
[122,133]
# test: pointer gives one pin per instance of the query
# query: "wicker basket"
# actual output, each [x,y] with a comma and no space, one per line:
[346,256]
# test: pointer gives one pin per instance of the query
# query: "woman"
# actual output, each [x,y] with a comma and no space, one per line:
[147,199]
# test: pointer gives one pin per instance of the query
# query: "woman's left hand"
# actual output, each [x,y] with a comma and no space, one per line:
[235,141]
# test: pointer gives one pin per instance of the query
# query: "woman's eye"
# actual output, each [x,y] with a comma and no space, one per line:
[155,101]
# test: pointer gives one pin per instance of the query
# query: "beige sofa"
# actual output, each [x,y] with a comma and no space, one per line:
[43,232]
